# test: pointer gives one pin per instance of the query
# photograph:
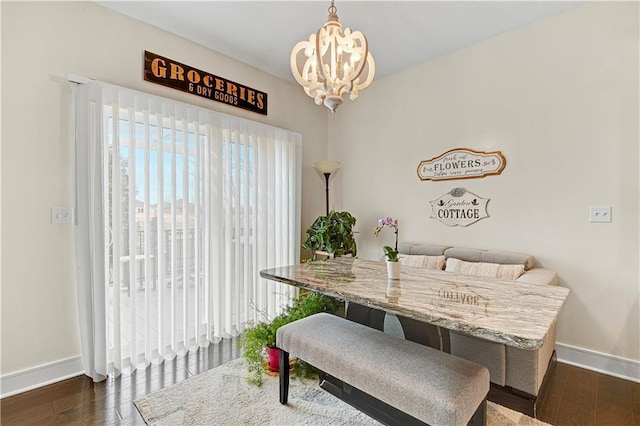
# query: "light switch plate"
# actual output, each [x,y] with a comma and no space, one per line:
[61,215]
[600,214]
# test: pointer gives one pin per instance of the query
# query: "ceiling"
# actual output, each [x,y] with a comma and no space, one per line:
[400,33]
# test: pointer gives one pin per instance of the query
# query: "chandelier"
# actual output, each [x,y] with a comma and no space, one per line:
[332,63]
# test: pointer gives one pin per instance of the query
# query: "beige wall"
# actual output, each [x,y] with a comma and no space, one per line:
[560,99]
[41,44]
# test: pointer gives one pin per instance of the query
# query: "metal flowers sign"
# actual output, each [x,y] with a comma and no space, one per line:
[462,163]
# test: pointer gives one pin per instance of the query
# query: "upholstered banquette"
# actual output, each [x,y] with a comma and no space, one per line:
[519,369]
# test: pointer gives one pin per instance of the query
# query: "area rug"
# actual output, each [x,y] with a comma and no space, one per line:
[222,396]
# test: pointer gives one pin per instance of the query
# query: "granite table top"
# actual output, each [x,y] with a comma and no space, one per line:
[508,312]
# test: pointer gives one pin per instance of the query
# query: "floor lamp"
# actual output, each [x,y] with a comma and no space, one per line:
[326,167]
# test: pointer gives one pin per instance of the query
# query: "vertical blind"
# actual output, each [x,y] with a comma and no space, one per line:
[179,208]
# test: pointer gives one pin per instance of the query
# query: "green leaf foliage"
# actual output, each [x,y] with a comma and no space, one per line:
[332,233]
[390,253]
[254,340]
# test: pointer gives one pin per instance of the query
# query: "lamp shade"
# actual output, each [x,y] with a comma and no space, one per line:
[326,166]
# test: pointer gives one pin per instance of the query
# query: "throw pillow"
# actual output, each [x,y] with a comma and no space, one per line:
[481,269]
[421,261]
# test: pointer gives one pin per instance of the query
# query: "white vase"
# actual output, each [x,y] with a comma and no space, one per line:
[393,270]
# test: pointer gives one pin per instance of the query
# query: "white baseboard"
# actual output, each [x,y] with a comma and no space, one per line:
[22,381]
[600,362]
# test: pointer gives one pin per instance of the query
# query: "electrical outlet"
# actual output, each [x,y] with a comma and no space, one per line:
[61,215]
[600,214]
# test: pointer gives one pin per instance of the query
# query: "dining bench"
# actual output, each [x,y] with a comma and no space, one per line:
[431,386]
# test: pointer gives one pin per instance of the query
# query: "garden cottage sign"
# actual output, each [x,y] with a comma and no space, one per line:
[459,207]
[462,163]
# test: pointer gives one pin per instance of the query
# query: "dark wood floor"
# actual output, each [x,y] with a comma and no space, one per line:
[79,401]
[574,397]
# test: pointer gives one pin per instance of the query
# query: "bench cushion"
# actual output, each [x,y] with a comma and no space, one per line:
[490,354]
[432,386]
[422,249]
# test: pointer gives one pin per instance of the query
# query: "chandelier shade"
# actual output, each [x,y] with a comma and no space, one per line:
[332,63]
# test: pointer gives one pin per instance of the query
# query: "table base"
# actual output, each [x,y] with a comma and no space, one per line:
[364,402]
[379,410]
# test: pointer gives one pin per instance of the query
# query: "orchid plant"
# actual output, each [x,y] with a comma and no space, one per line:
[389,222]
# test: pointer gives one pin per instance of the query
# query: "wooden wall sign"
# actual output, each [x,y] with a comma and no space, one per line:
[170,73]
[459,207]
[462,163]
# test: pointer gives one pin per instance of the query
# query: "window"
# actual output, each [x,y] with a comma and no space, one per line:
[188,206]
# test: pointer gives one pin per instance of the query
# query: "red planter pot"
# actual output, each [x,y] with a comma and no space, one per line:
[273,355]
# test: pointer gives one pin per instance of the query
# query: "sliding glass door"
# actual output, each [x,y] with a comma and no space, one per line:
[191,205]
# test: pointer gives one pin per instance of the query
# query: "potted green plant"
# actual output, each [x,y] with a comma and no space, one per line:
[332,234]
[255,341]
